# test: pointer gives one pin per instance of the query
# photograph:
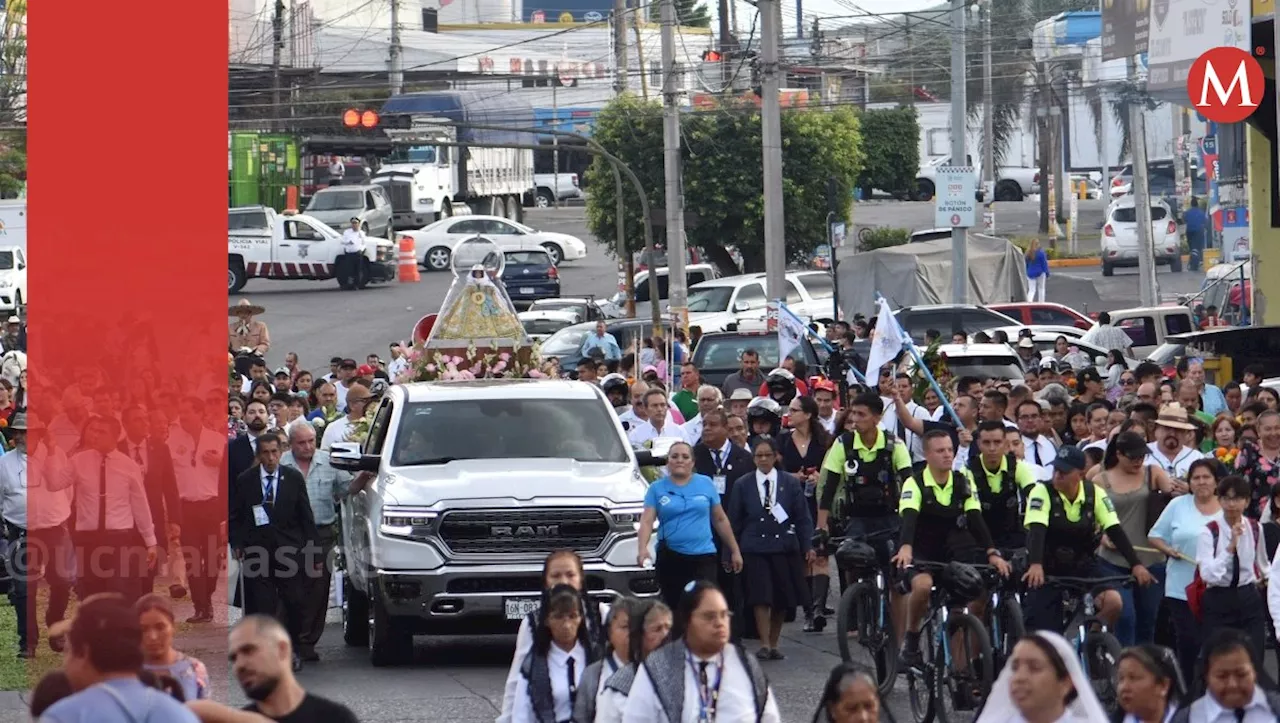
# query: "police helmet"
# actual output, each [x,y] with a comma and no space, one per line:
[855,556]
[764,408]
[962,581]
[613,383]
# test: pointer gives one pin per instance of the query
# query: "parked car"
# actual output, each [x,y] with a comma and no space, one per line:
[543,323]
[1044,314]
[1044,346]
[435,242]
[1161,182]
[587,309]
[948,319]
[1148,327]
[715,304]
[13,279]
[1012,332]
[337,205]
[1012,183]
[693,274]
[985,361]
[547,187]
[1120,236]
[719,354]
[530,274]
[929,234]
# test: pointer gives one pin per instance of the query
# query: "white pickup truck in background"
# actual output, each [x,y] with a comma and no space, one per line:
[263,244]
[1012,183]
[548,187]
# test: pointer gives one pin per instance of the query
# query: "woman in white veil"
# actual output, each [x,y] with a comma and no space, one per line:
[1042,683]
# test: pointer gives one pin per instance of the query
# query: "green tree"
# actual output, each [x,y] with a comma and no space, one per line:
[891,149]
[723,178]
[13,100]
[689,13]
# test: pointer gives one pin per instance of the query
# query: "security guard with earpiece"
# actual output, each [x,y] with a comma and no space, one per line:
[1002,482]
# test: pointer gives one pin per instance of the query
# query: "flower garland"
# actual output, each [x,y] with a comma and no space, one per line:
[431,366]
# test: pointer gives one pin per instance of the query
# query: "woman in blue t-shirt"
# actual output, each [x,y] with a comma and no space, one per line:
[687,508]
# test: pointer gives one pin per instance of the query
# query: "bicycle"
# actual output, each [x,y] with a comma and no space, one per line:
[936,682]
[864,607]
[1097,649]
[1003,616]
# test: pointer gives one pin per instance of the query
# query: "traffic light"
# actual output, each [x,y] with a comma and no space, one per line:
[355,118]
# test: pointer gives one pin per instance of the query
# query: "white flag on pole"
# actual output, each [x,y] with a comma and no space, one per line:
[790,331]
[887,341]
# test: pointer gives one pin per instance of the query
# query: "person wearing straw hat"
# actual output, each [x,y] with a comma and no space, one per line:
[246,334]
[1168,452]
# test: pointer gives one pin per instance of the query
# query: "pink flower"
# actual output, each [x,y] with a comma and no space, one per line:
[535,374]
[449,374]
[431,367]
[456,360]
[500,366]
[466,374]
[505,356]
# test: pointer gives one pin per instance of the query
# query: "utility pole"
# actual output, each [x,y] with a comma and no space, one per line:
[620,46]
[775,251]
[677,291]
[644,70]
[959,111]
[1043,135]
[555,140]
[277,49]
[1148,285]
[911,69]
[799,18]
[722,11]
[988,109]
[397,73]
[1103,142]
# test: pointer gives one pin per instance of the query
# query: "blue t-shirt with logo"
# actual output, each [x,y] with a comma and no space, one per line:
[684,513]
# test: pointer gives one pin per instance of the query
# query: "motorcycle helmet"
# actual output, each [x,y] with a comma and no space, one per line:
[782,386]
[616,389]
[764,410]
[962,581]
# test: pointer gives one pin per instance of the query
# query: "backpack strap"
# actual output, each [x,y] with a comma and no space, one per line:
[759,682]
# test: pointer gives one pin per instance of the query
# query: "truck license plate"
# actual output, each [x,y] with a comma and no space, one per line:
[519,608]
[527,290]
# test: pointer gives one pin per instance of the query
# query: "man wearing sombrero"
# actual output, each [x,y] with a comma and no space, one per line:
[1168,451]
[247,334]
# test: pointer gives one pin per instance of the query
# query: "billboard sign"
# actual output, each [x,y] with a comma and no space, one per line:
[1124,28]
[568,11]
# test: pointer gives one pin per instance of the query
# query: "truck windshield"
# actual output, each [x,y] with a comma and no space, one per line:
[337,201]
[442,432]
[416,154]
[6,260]
[712,298]
[725,351]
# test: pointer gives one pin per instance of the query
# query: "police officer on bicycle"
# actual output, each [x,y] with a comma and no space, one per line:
[1002,481]
[860,481]
[1065,520]
[941,522]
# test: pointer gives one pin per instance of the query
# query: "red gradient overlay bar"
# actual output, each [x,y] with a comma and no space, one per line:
[127,142]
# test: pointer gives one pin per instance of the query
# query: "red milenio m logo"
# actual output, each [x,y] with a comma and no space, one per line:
[1225,84]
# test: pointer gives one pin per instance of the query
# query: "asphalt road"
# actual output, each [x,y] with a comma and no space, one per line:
[318,320]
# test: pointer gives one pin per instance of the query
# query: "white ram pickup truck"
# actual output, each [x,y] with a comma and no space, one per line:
[263,244]
[1012,183]
[467,487]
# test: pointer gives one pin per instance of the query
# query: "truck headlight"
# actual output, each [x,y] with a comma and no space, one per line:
[408,522]
[627,518]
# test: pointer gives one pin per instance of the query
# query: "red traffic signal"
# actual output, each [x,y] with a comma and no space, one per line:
[352,118]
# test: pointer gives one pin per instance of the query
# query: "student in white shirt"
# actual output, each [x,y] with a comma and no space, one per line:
[1149,686]
[616,654]
[1231,690]
[1232,561]
[560,568]
[701,676]
[650,630]
[549,675]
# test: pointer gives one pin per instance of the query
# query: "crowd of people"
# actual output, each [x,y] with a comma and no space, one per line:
[1071,470]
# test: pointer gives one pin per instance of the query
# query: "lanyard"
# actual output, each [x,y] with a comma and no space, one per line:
[708,695]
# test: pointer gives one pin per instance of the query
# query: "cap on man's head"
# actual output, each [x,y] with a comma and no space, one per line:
[364,370]
[741,395]
[355,219]
[1026,343]
[13,320]
[282,372]
[1070,459]
[348,364]
[1047,364]
[1089,374]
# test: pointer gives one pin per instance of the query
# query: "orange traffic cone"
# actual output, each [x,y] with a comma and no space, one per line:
[408,261]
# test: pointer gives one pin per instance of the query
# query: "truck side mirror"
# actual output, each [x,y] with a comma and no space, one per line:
[347,457]
[646,458]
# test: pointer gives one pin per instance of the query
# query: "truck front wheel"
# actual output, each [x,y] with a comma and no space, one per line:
[544,199]
[924,189]
[355,615]
[236,277]
[389,645]
[1008,191]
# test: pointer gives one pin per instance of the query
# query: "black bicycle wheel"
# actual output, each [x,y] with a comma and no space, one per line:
[1102,661]
[961,690]
[859,613]
[1012,628]
[920,680]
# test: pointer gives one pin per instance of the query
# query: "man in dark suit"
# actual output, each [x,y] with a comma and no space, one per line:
[242,452]
[273,534]
[159,482]
[722,461]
